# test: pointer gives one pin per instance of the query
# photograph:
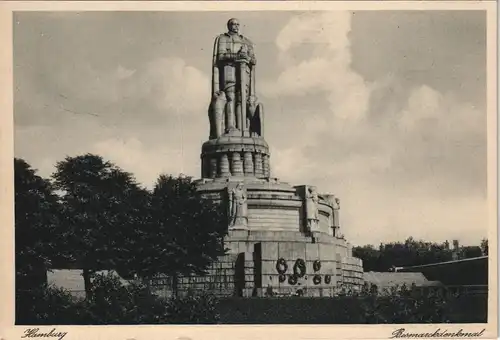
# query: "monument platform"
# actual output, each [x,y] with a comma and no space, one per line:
[277,238]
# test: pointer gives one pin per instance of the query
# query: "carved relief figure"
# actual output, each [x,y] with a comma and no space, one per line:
[312,205]
[331,202]
[255,117]
[216,114]
[238,207]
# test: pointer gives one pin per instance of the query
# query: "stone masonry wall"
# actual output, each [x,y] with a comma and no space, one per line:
[220,280]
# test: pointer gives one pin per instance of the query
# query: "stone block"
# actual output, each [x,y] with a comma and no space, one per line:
[238,234]
[312,251]
[328,267]
[285,250]
[233,247]
[270,280]
[327,252]
[270,251]
[269,267]
[299,250]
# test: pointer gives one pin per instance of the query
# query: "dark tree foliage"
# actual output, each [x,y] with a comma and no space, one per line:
[471,251]
[103,209]
[116,224]
[48,305]
[190,227]
[39,236]
[410,253]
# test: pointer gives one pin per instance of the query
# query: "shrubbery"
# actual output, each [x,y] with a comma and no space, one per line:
[111,302]
[405,305]
[395,306]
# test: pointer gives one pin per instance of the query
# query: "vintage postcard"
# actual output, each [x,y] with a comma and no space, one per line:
[300,170]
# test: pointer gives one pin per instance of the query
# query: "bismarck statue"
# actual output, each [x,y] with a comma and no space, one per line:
[234,108]
[272,225]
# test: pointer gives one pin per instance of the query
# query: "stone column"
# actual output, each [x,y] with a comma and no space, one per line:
[224,166]
[258,165]
[248,163]
[213,167]
[265,166]
[237,166]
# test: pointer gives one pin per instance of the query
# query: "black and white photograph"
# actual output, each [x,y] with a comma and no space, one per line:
[251,166]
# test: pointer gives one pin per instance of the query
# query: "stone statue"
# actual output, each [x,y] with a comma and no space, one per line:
[331,199]
[216,114]
[234,74]
[312,206]
[238,207]
[255,117]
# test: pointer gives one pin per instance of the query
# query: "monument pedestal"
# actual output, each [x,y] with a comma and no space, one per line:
[277,231]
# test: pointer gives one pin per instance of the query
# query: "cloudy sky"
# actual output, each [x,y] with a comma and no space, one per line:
[385,109]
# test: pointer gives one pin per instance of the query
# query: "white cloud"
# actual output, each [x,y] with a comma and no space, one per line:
[412,168]
[162,86]
[123,73]
[163,90]
[172,85]
[370,212]
[144,162]
[327,70]
[416,175]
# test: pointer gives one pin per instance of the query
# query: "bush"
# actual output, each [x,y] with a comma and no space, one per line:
[111,302]
[370,306]
[193,309]
[405,305]
[48,305]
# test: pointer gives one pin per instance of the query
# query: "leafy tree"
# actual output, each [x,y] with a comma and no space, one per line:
[102,209]
[369,255]
[471,251]
[412,253]
[49,305]
[398,254]
[187,230]
[39,236]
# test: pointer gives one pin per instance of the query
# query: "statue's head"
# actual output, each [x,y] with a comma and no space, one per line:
[233,25]
[252,99]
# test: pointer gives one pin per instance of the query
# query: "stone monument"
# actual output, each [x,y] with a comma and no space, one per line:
[280,237]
